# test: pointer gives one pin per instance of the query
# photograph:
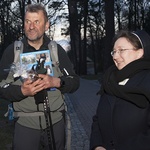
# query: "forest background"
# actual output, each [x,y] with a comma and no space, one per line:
[88,24]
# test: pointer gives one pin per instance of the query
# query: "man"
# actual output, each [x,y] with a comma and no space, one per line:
[30,131]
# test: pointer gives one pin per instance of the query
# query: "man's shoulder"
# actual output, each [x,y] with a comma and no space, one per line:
[9,48]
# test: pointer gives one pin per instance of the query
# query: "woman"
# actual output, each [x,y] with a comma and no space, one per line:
[122,120]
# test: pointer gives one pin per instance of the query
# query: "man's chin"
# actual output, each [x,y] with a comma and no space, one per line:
[33,39]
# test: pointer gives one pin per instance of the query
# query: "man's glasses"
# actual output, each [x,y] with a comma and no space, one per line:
[120,51]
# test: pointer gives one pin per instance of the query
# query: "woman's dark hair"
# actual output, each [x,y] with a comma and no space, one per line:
[130,36]
[36,8]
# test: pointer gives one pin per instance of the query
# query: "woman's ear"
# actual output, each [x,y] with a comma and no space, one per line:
[140,53]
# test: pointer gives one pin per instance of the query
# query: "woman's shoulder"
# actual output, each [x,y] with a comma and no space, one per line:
[146,74]
[143,77]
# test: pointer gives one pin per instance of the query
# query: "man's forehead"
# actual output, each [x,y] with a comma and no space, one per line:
[37,15]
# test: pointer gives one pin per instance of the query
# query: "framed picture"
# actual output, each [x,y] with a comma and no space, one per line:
[32,59]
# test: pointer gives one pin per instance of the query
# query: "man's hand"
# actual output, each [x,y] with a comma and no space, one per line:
[30,88]
[49,81]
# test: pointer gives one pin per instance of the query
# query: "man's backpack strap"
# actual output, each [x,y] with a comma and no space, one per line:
[18,49]
[54,52]
[54,55]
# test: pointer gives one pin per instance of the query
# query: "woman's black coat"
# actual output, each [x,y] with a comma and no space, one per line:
[120,124]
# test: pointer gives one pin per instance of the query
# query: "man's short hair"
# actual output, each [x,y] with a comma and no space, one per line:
[36,8]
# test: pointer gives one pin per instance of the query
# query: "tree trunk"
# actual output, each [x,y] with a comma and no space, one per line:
[110,30]
[84,50]
[74,33]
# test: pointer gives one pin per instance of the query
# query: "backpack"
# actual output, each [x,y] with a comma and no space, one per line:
[18,49]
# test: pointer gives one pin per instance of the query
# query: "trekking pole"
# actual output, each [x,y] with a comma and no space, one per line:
[49,125]
[42,97]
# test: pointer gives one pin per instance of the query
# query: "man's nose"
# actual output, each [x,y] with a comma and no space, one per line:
[32,25]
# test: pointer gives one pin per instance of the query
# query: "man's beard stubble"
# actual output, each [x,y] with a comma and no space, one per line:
[33,39]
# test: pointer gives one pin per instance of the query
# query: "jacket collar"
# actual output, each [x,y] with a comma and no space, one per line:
[29,48]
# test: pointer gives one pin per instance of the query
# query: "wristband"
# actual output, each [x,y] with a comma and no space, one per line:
[62,82]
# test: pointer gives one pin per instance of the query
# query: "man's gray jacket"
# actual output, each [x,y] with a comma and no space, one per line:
[12,91]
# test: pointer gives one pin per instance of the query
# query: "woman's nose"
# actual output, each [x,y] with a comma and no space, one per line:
[116,54]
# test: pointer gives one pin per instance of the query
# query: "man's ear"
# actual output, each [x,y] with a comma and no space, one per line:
[47,25]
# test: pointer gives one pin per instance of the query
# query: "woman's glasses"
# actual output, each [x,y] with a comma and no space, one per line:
[120,51]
